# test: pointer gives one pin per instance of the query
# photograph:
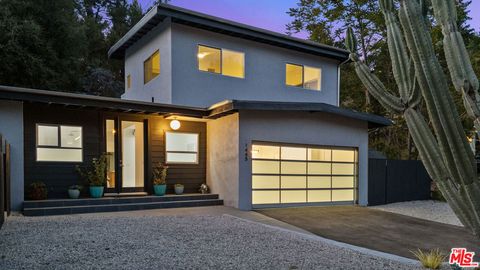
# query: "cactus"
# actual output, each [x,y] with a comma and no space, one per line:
[418,74]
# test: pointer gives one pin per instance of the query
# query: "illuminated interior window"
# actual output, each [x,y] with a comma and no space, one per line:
[151,67]
[303,76]
[182,147]
[296,175]
[129,81]
[59,143]
[221,61]
[233,64]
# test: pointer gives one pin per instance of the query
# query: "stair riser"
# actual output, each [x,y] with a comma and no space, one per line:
[117,208]
[113,201]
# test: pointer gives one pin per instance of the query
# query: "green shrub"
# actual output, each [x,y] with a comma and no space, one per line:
[37,191]
[432,259]
[95,174]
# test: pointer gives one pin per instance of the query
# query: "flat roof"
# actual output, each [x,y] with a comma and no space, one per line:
[179,15]
[231,106]
[82,101]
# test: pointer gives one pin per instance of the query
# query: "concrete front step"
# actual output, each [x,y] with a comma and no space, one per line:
[116,200]
[115,207]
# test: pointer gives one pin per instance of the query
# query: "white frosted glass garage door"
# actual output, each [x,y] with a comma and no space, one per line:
[285,174]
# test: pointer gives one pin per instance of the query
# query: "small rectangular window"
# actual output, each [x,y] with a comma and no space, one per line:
[59,143]
[129,81]
[151,67]
[209,59]
[221,61]
[303,76]
[181,147]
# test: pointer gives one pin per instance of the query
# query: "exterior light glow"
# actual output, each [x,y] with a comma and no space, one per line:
[175,124]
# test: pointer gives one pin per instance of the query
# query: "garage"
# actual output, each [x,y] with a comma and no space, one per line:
[292,175]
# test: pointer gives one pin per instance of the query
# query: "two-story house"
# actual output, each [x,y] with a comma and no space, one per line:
[252,113]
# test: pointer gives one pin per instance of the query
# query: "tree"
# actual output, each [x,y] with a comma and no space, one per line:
[445,151]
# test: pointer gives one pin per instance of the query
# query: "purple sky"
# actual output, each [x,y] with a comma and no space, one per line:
[267,14]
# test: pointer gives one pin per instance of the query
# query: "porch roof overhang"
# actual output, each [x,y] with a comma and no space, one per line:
[231,106]
[72,100]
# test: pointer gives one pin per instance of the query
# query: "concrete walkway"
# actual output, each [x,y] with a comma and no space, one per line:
[377,230]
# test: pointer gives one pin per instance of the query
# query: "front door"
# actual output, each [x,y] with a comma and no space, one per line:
[125,148]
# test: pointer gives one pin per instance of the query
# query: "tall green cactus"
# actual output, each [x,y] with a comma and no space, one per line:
[445,152]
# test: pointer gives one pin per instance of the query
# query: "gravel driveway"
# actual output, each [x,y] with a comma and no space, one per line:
[168,242]
[429,210]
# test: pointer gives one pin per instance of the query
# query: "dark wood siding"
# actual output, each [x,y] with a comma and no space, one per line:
[58,176]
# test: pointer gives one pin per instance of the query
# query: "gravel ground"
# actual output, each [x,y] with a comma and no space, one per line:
[168,242]
[429,210]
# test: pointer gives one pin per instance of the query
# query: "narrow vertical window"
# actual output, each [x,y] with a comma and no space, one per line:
[151,67]
[129,81]
[303,76]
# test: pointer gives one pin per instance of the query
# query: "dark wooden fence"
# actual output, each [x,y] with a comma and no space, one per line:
[391,181]
[4,180]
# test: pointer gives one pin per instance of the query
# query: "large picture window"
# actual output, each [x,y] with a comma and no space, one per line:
[221,61]
[59,143]
[181,148]
[303,76]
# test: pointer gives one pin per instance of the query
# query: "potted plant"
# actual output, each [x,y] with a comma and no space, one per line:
[37,191]
[95,176]
[160,179]
[179,189]
[74,191]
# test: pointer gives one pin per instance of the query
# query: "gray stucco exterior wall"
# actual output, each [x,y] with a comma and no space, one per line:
[300,128]
[160,88]
[11,127]
[264,72]
[223,158]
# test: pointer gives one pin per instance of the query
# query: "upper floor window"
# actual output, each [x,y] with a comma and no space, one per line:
[129,81]
[221,61]
[151,67]
[59,143]
[303,76]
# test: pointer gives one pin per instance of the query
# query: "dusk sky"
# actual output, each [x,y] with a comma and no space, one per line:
[267,14]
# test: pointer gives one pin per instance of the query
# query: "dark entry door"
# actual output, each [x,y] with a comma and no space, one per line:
[125,148]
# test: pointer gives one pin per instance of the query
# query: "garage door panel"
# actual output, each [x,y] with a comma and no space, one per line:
[319,154]
[319,182]
[294,181]
[294,167]
[265,182]
[319,196]
[319,168]
[266,151]
[293,196]
[266,167]
[343,182]
[294,153]
[265,197]
[343,155]
[343,169]
[342,195]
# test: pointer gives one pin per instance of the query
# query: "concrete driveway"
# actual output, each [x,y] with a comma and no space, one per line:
[377,230]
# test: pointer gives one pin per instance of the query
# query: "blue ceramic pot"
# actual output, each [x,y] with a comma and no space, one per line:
[159,189]
[96,192]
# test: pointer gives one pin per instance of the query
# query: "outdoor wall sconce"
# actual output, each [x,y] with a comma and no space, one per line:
[175,124]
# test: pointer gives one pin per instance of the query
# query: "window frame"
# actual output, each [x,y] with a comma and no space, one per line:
[197,161]
[303,76]
[129,82]
[145,82]
[59,142]
[221,61]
